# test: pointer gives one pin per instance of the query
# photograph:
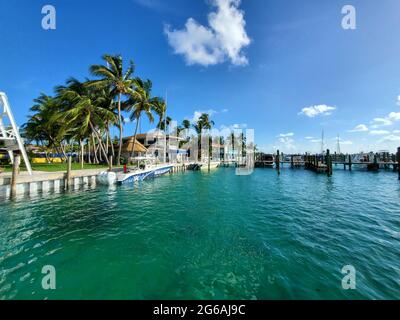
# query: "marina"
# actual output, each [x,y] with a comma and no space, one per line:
[201,235]
[221,151]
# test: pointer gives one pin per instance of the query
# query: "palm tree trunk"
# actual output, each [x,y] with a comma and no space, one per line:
[111,142]
[120,130]
[100,142]
[82,153]
[134,137]
[107,138]
[89,155]
[63,151]
[96,160]
[98,137]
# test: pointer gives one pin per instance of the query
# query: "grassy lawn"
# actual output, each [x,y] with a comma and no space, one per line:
[53,167]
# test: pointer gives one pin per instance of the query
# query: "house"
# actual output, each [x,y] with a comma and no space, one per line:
[127,150]
[157,145]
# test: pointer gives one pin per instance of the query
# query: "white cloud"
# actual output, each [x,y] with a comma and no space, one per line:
[309,138]
[346,142]
[360,128]
[224,38]
[239,126]
[285,135]
[394,116]
[398,100]
[286,144]
[380,122]
[391,138]
[379,132]
[386,121]
[224,110]
[396,131]
[314,111]
[197,114]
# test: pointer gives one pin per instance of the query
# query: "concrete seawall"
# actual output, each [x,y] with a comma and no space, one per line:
[55,181]
[46,181]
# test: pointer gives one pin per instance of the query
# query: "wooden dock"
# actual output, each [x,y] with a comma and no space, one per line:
[325,163]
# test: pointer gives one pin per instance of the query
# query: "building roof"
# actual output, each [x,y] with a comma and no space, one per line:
[128,145]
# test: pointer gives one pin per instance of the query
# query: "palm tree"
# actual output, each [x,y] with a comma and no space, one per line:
[203,123]
[232,141]
[164,123]
[85,112]
[160,108]
[186,124]
[141,101]
[113,76]
[40,126]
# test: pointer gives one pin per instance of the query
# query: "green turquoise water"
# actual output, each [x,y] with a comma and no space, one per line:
[208,236]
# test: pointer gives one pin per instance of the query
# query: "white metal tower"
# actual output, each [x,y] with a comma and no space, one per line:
[10,134]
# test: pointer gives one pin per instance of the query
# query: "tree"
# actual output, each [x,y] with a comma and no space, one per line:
[186,124]
[42,128]
[85,113]
[120,82]
[141,101]
[203,123]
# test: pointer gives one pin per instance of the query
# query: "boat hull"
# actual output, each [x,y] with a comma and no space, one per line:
[213,165]
[125,178]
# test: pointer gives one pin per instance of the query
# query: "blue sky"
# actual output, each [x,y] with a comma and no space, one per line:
[285,68]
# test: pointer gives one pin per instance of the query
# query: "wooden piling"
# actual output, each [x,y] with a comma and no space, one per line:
[277,162]
[350,162]
[328,163]
[69,174]
[398,161]
[14,177]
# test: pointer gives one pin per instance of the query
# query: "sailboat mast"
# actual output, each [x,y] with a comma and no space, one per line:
[322,141]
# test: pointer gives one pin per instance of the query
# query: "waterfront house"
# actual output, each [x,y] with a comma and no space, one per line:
[157,145]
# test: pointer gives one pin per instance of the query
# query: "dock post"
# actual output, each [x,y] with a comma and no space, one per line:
[15,172]
[69,174]
[277,162]
[329,163]
[292,161]
[398,161]
[350,162]
[110,163]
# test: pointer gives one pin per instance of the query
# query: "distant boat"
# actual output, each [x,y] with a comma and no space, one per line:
[213,165]
[265,161]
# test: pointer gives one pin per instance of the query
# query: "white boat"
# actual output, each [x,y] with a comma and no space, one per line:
[144,169]
[204,166]
[142,174]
